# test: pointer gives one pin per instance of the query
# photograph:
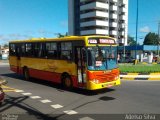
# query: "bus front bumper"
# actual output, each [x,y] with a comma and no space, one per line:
[93,86]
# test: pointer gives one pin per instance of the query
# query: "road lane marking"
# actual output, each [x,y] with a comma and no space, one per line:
[45,101]
[3,86]
[26,93]
[57,106]
[9,90]
[86,118]
[18,91]
[35,97]
[7,87]
[70,112]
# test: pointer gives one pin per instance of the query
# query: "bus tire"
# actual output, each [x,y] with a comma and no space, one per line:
[67,82]
[26,74]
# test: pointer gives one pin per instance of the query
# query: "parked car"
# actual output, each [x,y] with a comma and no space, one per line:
[126,59]
[155,59]
[2,94]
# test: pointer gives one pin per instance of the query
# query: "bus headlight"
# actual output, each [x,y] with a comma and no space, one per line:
[96,81]
[116,77]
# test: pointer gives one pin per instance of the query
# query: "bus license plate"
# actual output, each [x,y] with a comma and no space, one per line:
[108,85]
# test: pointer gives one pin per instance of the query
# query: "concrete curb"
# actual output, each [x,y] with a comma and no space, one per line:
[140,76]
[2,81]
[4,63]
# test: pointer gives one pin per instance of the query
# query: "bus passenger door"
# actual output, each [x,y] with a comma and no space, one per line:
[81,66]
[18,59]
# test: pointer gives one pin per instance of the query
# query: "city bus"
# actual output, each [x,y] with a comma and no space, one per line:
[87,62]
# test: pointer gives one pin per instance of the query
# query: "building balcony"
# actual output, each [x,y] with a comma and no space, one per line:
[94,23]
[94,5]
[114,16]
[125,2]
[113,32]
[123,17]
[113,24]
[114,1]
[96,31]
[121,33]
[114,8]
[95,14]
[123,9]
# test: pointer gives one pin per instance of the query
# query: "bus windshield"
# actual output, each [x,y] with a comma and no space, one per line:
[102,57]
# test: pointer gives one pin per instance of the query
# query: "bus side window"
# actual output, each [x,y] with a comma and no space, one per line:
[23,49]
[66,51]
[29,50]
[12,50]
[51,50]
[38,50]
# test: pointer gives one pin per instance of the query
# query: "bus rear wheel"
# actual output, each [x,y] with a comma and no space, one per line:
[67,82]
[26,74]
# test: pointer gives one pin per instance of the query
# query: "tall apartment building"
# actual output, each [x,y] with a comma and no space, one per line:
[99,17]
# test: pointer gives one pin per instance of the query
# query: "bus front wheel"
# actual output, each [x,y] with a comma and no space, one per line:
[26,74]
[67,82]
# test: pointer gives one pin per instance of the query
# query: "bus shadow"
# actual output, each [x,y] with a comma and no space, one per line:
[19,103]
[58,86]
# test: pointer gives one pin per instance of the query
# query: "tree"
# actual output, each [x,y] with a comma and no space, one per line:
[131,41]
[151,39]
[5,45]
[59,35]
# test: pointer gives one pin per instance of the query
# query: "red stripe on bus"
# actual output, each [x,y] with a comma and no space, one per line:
[50,76]
[45,75]
[13,68]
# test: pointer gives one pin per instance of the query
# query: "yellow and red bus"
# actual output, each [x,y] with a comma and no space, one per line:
[88,62]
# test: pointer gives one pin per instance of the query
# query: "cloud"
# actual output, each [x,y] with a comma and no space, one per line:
[145,29]
[1,36]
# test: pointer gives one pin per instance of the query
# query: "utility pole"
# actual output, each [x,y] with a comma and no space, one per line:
[158,36]
[136,31]
[124,49]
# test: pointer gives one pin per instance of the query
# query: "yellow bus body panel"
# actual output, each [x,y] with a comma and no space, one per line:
[48,65]
[93,86]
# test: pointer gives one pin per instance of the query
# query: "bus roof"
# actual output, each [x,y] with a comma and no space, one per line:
[67,38]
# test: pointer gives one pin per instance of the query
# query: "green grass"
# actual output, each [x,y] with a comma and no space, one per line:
[139,68]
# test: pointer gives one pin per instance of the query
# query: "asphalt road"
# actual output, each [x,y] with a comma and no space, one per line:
[40,100]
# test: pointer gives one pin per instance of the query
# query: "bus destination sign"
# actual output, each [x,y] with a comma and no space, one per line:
[101,41]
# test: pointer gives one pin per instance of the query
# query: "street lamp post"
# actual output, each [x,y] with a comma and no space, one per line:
[136,31]
[124,49]
[158,37]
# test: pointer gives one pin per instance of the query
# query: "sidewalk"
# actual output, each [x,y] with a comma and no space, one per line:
[4,62]
[139,76]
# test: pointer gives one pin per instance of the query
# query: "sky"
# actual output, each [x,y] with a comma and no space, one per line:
[25,19]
